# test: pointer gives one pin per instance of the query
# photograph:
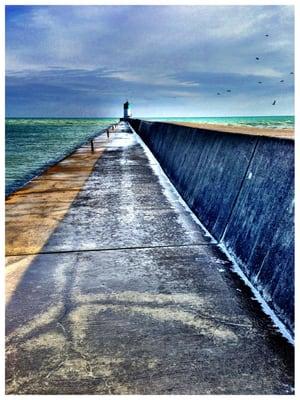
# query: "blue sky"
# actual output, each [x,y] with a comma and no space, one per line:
[85,61]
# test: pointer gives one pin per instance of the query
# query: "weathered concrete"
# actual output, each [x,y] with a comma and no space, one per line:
[197,164]
[137,299]
[261,228]
[242,189]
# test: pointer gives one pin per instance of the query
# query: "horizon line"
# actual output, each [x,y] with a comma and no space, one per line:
[173,116]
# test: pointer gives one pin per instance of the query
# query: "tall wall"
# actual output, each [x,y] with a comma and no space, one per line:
[241,188]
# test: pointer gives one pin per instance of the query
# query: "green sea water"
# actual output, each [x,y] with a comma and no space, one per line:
[32,144]
[271,122]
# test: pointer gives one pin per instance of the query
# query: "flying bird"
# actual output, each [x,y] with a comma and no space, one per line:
[282,80]
[257,58]
[291,73]
[267,35]
[228,90]
[274,102]
[259,82]
[218,94]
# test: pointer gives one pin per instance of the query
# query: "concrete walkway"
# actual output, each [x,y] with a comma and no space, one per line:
[129,295]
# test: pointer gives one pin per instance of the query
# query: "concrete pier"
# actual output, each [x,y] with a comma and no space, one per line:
[113,287]
[241,187]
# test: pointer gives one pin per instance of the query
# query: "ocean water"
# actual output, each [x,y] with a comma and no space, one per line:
[34,144]
[271,122]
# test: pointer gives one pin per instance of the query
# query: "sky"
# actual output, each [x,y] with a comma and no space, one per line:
[85,61]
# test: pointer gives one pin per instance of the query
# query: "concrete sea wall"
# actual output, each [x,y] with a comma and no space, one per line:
[241,187]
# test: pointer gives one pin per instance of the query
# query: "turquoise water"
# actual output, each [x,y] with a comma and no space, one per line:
[34,144]
[272,122]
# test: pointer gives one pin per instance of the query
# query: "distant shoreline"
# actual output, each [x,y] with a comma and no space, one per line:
[281,133]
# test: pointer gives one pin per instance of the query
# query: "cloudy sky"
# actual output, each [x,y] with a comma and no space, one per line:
[86,61]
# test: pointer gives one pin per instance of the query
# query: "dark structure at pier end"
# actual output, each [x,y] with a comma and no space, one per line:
[127,114]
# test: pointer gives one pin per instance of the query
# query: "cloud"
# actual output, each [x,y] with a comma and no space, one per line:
[97,55]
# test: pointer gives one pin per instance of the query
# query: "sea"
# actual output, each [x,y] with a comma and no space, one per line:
[271,122]
[34,144]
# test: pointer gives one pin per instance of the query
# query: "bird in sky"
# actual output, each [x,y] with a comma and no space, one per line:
[291,73]
[282,80]
[218,94]
[228,90]
[267,35]
[257,58]
[274,102]
[259,82]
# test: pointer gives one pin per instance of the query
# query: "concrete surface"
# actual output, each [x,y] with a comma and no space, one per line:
[128,294]
[202,168]
[241,187]
[261,227]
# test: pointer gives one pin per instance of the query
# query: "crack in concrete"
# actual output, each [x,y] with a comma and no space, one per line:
[115,249]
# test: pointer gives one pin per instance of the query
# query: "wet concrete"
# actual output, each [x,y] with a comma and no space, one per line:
[128,295]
